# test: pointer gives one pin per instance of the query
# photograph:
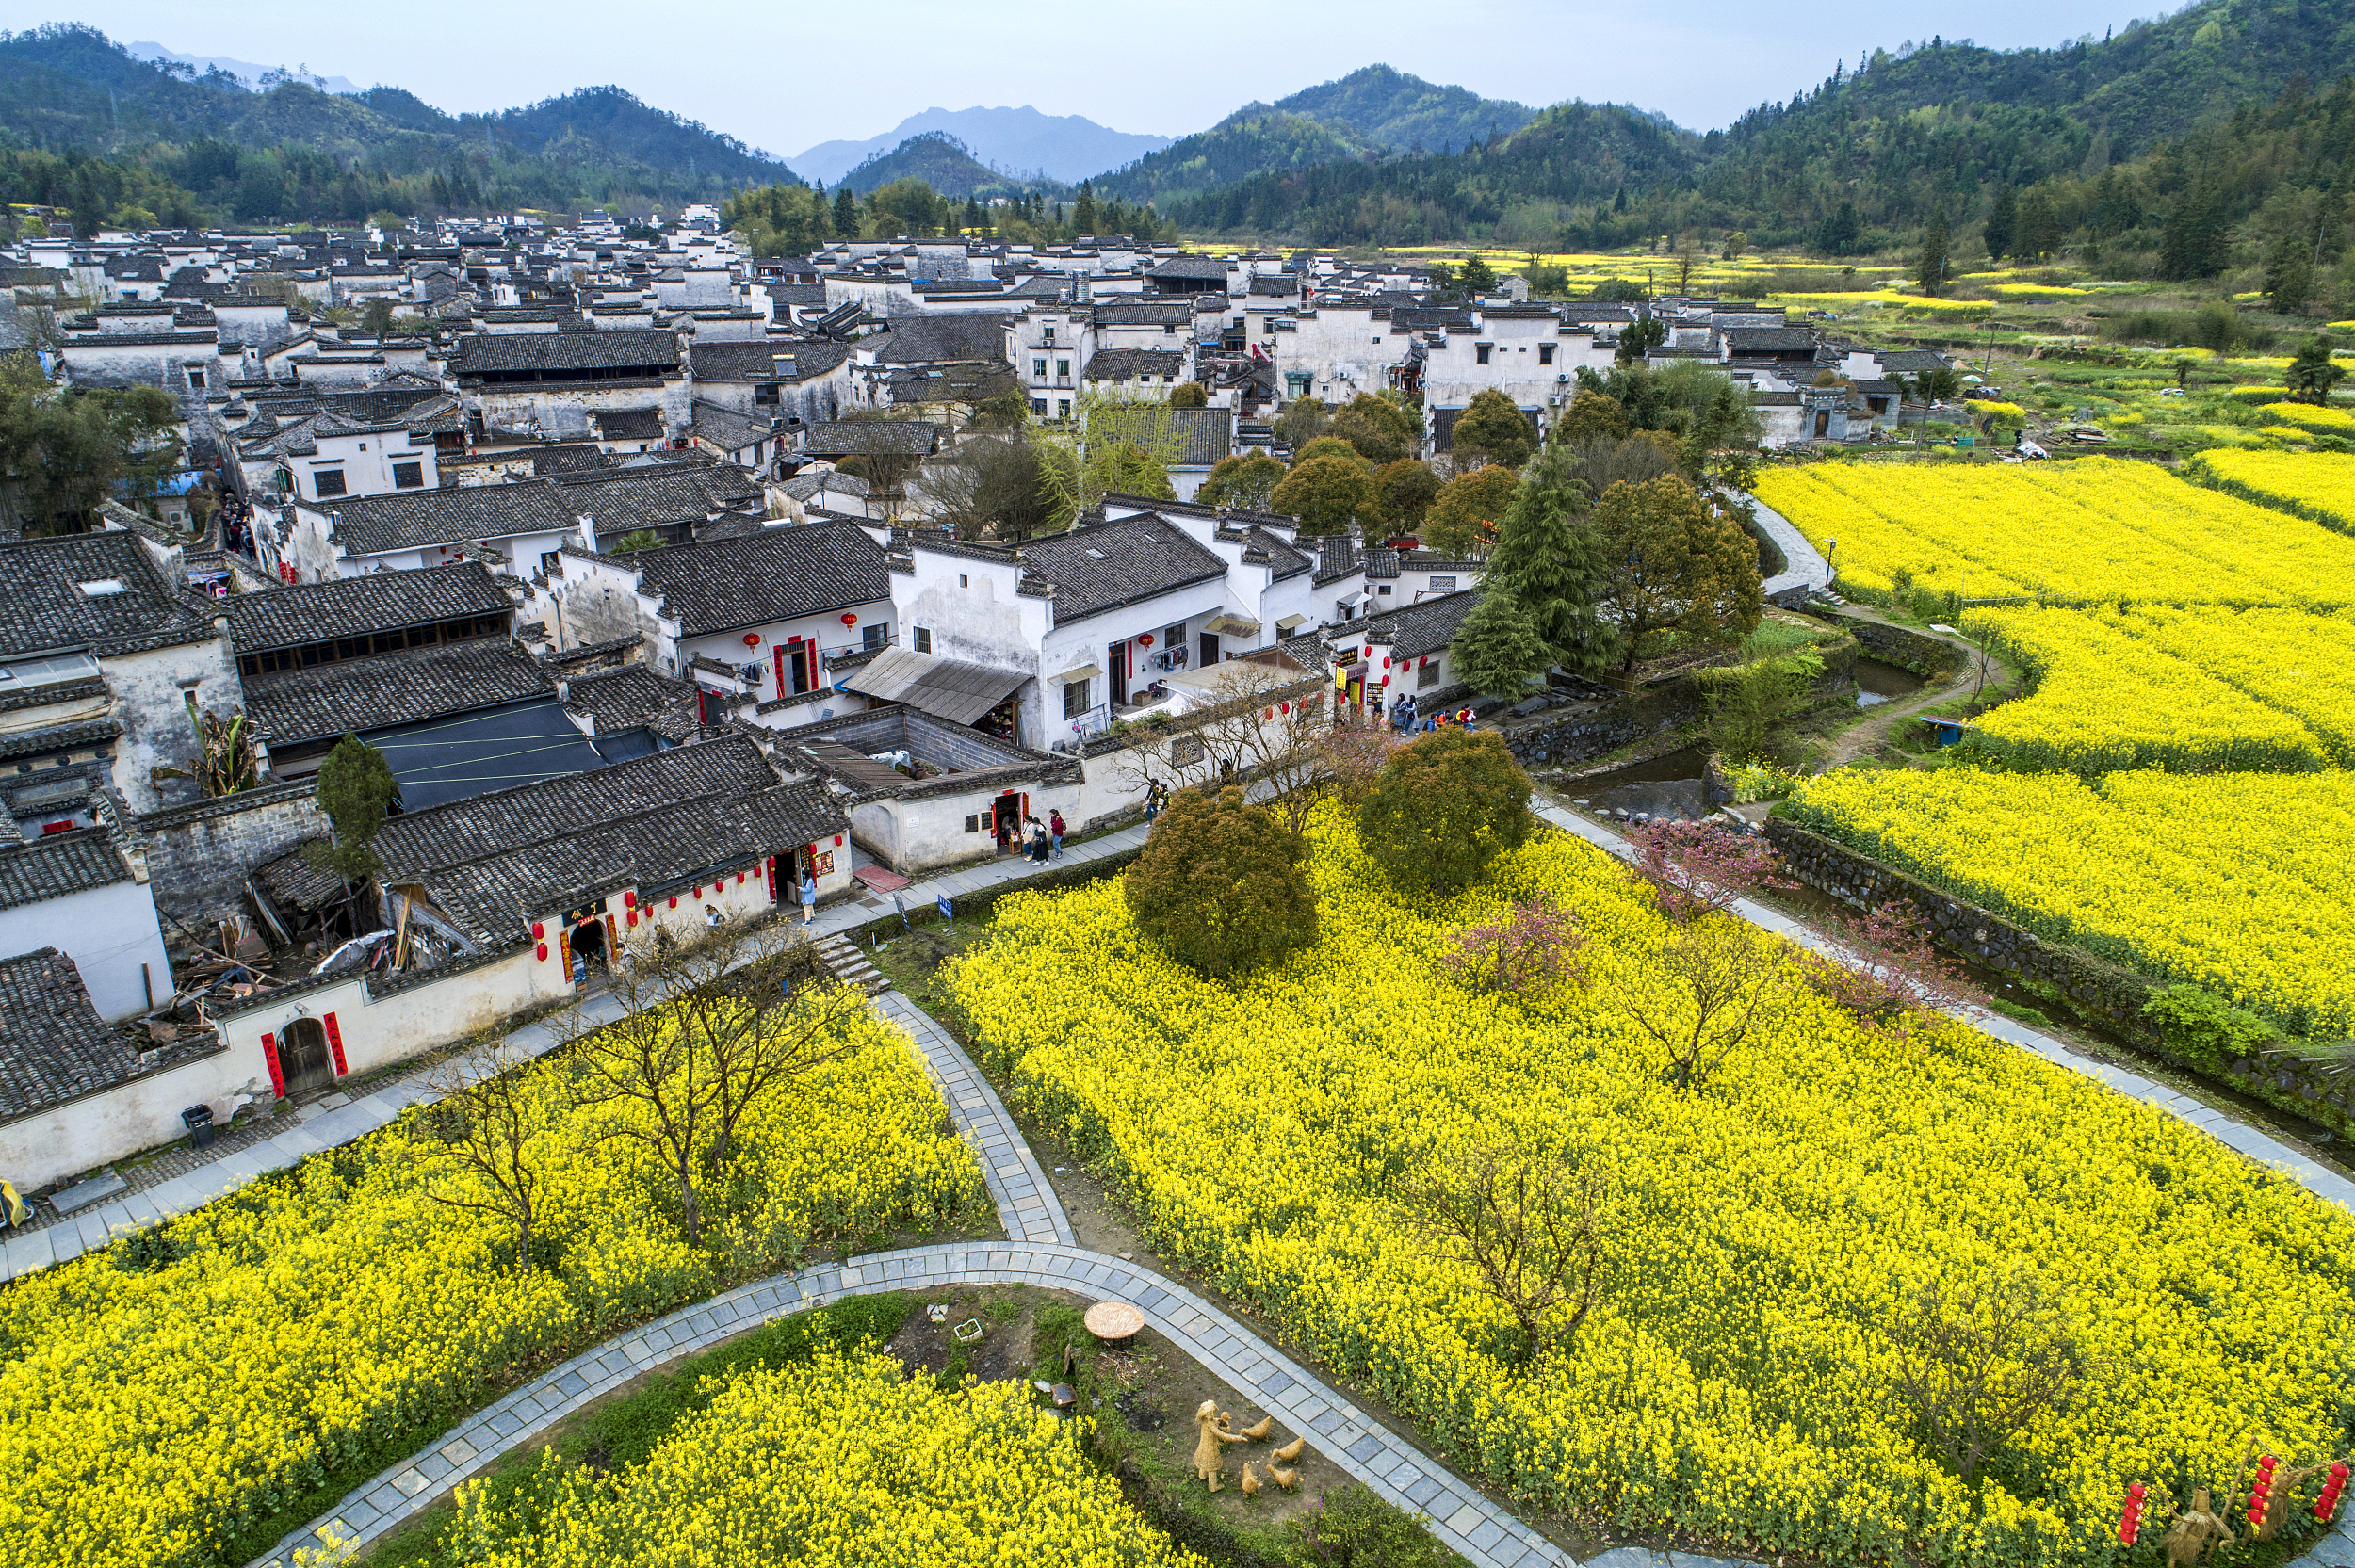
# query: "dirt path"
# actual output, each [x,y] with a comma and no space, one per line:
[1872,733]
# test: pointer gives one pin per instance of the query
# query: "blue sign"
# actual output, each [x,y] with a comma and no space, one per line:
[946,913]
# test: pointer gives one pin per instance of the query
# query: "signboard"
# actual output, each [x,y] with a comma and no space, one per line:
[947,913]
[824,861]
[574,917]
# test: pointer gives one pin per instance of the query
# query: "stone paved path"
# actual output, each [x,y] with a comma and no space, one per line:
[2322,1183]
[1803,564]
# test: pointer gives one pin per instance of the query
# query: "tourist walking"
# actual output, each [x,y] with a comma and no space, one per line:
[1055,831]
[1154,794]
[809,897]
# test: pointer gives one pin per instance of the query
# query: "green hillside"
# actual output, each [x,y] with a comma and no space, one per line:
[1399,113]
[67,92]
[944,163]
[1256,139]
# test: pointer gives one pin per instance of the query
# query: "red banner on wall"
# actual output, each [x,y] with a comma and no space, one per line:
[335,1044]
[277,1074]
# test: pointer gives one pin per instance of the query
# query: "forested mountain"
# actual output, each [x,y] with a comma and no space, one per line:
[1065,146]
[1865,157]
[1256,139]
[944,163]
[295,152]
[1389,110]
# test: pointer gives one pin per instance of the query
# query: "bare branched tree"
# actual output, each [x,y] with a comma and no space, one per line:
[1266,728]
[1719,973]
[710,1029]
[1979,1361]
[1527,1224]
[484,1128]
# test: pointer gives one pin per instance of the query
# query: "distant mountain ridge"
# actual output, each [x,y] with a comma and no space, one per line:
[245,71]
[1372,110]
[944,163]
[1022,142]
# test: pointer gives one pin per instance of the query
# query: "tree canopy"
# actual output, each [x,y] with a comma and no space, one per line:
[1221,884]
[1443,808]
[1668,563]
[1492,429]
[1324,493]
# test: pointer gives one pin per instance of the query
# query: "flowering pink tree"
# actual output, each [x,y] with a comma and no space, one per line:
[1890,974]
[1530,953]
[1695,868]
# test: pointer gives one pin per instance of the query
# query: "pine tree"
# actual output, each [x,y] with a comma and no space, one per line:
[1497,649]
[1545,561]
[845,214]
[974,220]
[2003,219]
[1931,271]
[1084,216]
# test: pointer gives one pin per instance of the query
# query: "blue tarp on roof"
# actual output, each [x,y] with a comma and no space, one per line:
[439,760]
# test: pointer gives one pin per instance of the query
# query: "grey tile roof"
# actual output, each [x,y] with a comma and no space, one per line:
[852,438]
[1911,362]
[493,862]
[1127,364]
[323,701]
[1209,435]
[1413,630]
[630,425]
[723,584]
[1157,312]
[1337,557]
[56,865]
[56,1046]
[380,602]
[1190,266]
[65,737]
[790,360]
[1102,566]
[646,495]
[1769,340]
[940,339]
[636,698]
[44,605]
[560,354]
[375,525]
[728,429]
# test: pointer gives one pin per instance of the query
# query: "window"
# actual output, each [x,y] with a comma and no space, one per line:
[1545,353]
[1038,407]
[964,580]
[765,396]
[552,564]
[409,475]
[1344,611]
[1050,337]
[923,640]
[1063,408]
[972,824]
[1184,750]
[1296,383]
[1039,370]
[1482,350]
[1169,329]
[327,482]
[1384,591]
[196,378]
[1062,370]
[1428,675]
[1442,584]
[1076,695]
[876,636]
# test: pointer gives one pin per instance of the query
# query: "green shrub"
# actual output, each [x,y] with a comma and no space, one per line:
[1221,884]
[1443,808]
[2204,1028]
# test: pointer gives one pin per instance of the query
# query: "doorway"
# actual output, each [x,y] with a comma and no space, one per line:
[588,942]
[1118,654]
[1210,649]
[794,666]
[303,1056]
[1006,817]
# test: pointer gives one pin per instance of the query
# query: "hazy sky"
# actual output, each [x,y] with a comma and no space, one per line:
[786,76]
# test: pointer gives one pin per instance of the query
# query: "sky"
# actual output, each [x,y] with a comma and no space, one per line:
[786,77]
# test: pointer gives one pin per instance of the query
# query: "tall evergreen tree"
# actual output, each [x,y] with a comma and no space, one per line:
[1545,560]
[1497,649]
[2003,219]
[1930,272]
[1084,215]
[845,214]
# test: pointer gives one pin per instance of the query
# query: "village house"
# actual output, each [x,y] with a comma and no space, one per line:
[552,382]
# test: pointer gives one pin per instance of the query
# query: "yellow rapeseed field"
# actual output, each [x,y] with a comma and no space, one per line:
[2190,688]
[2320,485]
[150,1413]
[2319,418]
[845,1463]
[2241,883]
[2093,529]
[1762,1233]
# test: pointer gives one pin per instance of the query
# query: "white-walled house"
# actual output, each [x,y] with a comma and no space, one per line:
[328,455]
[753,618]
[87,895]
[555,383]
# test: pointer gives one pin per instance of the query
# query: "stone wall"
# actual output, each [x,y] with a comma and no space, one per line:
[2105,994]
[1563,739]
[198,855]
[1925,655]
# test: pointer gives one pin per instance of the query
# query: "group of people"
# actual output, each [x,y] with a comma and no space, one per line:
[1043,841]
[1406,718]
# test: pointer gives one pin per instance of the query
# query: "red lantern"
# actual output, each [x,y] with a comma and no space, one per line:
[2332,1485]
[675,900]
[633,917]
[838,844]
[2130,1518]
[752,640]
[849,619]
[739,879]
[629,900]
[1286,706]
[1386,661]
[1144,640]
[538,931]
[544,952]
[699,892]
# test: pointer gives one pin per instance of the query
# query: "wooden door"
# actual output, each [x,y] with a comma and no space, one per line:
[303,1056]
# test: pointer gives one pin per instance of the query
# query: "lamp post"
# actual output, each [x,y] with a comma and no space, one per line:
[1831,572]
